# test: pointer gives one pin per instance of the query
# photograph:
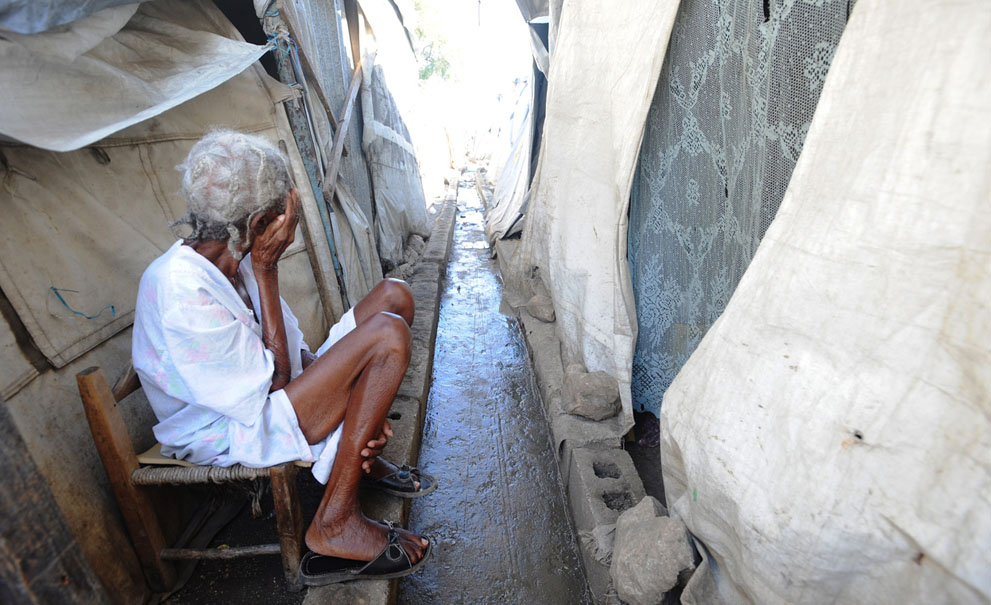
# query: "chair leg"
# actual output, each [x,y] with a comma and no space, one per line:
[285,496]
[117,453]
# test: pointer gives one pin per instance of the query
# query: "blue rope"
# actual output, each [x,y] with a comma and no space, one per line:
[113,310]
[287,53]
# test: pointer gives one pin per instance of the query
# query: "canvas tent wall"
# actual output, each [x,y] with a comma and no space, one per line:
[575,234]
[508,204]
[828,440]
[87,221]
[384,180]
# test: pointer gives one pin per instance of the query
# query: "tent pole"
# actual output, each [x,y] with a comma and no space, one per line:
[304,141]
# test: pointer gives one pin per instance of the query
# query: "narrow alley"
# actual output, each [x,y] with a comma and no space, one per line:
[498,520]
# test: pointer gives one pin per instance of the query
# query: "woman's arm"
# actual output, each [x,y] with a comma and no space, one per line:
[266,250]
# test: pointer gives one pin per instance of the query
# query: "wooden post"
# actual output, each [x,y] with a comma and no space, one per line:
[117,453]
[330,182]
[289,518]
[351,14]
[300,127]
[40,560]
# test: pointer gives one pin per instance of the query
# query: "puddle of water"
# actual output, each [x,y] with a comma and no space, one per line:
[482,245]
[498,519]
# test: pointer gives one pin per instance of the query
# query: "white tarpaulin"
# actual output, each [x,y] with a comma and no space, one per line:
[88,222]
[576,223]
[32,16]
[355,244]
[400,206]
[532,9]
[830,439]
[502,218]
[68,88]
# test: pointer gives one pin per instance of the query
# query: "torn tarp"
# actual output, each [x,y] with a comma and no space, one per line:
[65,89]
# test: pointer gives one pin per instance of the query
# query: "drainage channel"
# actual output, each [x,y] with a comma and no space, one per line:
[498,520]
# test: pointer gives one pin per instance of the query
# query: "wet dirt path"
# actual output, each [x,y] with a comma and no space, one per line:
[498,520]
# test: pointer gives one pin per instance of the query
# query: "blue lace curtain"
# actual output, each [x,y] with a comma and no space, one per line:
[737,92]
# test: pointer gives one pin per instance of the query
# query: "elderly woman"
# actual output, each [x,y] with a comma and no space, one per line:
[227,372]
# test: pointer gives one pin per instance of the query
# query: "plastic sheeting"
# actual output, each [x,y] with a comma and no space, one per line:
[576,222]
[355,245]
[401,209]
[532,9]
[830,439]
[64,90]
[32,16]
[88,222]
[503,217]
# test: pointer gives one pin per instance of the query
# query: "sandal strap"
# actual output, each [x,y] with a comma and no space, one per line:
[389,556]
[404,473]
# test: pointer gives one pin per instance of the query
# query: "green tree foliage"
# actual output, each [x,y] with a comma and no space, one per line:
[431,61]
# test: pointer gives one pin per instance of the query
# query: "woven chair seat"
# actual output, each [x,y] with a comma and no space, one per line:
[158,469]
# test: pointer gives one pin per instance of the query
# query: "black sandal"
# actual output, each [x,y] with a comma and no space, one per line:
[400,482]
[392,562]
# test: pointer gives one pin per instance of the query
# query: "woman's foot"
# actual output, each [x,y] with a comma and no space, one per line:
[358,538]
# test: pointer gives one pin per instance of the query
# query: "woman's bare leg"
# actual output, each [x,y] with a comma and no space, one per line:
[354,382]
[389,296]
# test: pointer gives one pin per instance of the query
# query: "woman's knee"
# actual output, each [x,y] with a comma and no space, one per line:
[397,298]
[393,335]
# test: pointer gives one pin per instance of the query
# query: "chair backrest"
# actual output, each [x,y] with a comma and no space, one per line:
[127,383]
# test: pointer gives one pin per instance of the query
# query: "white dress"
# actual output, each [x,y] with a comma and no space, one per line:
[199,353]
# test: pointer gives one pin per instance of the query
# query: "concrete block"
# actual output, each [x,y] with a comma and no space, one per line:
[545,352]
[352,593]
[426,297]
[602,484]
[406,418]
[417,378]
[427,271]
[439,245]
[570,432]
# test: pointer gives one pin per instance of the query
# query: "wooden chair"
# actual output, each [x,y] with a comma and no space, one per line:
[131,473]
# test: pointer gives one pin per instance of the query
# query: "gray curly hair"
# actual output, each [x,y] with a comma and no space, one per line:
[228,178]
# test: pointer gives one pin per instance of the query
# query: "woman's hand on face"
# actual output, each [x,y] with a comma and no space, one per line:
[268,246]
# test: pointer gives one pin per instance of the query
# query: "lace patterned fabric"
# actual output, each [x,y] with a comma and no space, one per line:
[737,92]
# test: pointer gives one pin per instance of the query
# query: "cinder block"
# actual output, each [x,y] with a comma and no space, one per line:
[353,593]
[569,432]
[439,245]
[602,484]
[545,352]
[427,271]
[596,573]
[417,378]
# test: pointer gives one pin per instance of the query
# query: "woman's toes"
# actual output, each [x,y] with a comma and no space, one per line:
[415,550]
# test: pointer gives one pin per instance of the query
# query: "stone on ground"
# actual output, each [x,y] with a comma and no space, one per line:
[594,395]
[649,553]
[541,307]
